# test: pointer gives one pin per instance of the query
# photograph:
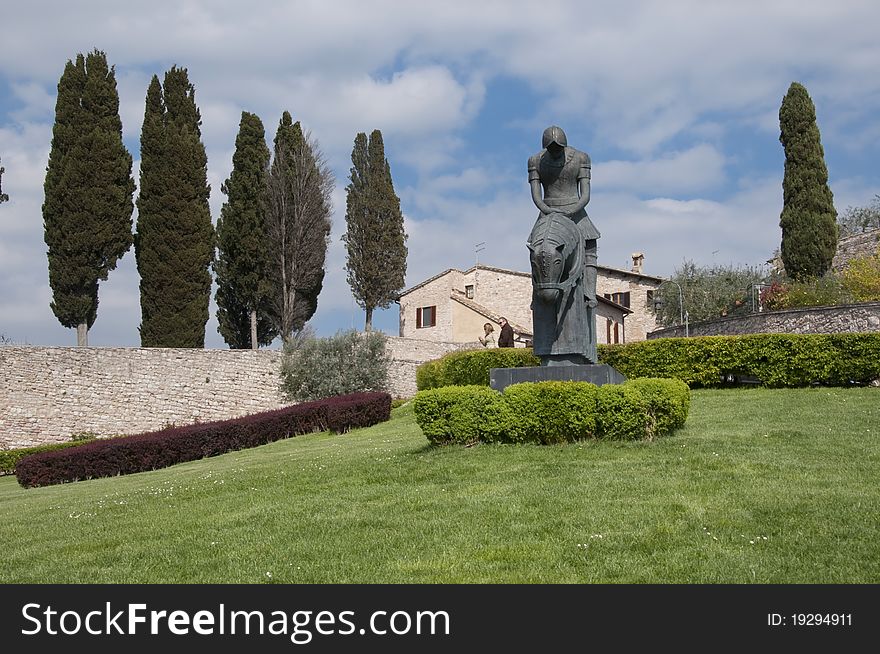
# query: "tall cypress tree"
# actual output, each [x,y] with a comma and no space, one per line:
[242,264]
[375,238]
[174,244]
[298,210]
[808,220]
[88,191]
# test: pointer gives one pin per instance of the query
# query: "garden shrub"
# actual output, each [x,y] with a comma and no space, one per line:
[828,290]
[154,450]
[861,278]
[552,412]
[471,367]
[349,362]
[667,402]
[10,458]
[430,375]
[775,360]
[622,413]
[457,414]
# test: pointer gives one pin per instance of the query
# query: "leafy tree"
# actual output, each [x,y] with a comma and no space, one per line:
[808,221]
[856,220]
[88,191]
[299,187]
[375,239]
[3,196]
[174,244]
[707,292]
[242,263]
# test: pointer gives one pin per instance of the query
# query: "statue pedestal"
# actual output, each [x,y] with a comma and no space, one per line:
[601,373]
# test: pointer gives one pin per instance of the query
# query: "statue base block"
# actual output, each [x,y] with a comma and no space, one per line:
[600,373]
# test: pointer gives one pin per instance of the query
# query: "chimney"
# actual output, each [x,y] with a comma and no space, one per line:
[638,261]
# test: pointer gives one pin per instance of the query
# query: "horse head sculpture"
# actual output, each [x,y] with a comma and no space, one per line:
[556,257]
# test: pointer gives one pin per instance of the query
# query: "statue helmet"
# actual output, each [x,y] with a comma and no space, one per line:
[554,134]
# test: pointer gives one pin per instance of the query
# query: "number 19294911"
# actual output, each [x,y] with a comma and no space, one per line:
[809,620]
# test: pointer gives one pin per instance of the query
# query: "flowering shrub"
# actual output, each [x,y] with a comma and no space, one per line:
[160,449]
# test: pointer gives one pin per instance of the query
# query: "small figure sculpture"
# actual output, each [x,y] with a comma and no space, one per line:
[562,249]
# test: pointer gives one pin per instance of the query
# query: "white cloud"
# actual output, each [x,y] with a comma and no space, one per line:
[700,168]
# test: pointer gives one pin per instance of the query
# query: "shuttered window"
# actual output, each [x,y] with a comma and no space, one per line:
[426,317]
[620,298]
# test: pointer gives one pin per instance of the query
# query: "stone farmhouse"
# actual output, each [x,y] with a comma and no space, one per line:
[453,305]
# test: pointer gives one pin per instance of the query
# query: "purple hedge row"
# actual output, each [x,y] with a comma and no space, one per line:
[160,449]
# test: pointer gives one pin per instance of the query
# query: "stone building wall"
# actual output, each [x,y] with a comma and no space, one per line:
[642,320]
[509,293]
[436,293]
[47,394]
[506,293]
[840,319]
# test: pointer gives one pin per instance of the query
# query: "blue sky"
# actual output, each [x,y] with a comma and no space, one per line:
[676,103]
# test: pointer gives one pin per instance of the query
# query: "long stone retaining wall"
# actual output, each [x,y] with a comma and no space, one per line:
[846,318]
[47,394]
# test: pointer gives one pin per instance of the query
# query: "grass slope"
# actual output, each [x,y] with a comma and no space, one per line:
[769,486]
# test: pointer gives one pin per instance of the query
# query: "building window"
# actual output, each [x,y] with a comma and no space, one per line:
[469,291]
[620,298]
[649,299]
[426,317]
[612,334]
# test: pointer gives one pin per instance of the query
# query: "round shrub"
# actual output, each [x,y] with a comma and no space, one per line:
[622,413]
[667,403]
[455,414]
[552,412]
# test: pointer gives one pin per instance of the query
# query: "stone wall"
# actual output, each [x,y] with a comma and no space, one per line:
[48,394]
[840,319]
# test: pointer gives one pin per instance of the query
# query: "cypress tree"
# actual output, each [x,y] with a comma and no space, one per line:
[299,186]
[375,236]
[242,262]
[88,191]
[808,220]
[174,244]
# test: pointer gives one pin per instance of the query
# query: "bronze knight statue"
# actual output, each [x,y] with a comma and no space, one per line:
[562,248]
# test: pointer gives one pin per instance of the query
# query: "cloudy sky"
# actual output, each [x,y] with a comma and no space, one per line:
[675,101]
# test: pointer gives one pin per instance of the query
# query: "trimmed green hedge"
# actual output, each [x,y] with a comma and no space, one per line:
[776,360]
[552,412]
[471,367]
[10,458]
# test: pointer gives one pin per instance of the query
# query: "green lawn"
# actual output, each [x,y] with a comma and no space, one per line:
[768,486]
